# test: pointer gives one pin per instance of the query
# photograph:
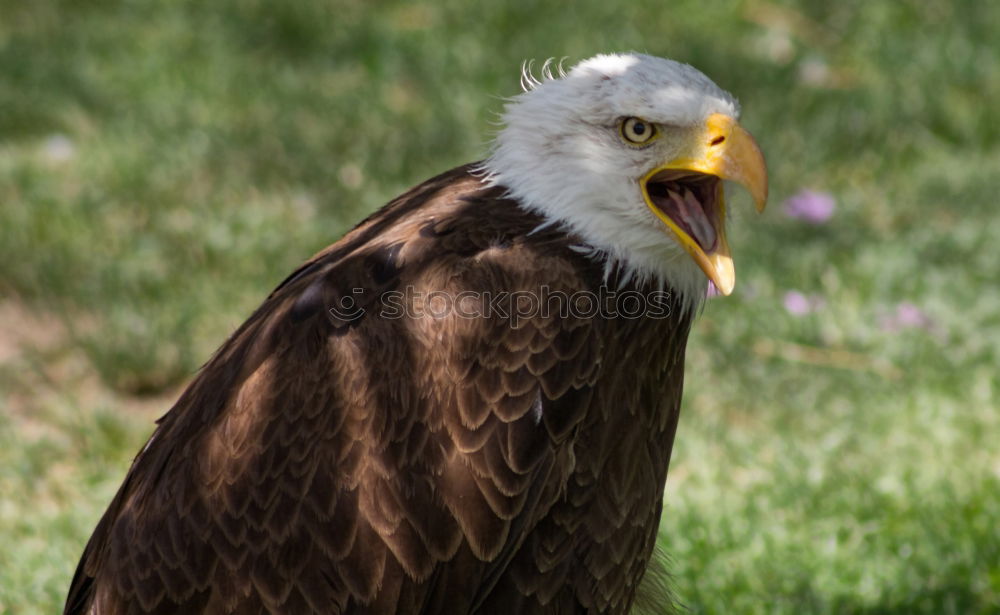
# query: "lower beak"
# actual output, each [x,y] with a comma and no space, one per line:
[721,148]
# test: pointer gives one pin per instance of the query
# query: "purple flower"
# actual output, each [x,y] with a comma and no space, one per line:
[812,207]
[797,304]
[907,316]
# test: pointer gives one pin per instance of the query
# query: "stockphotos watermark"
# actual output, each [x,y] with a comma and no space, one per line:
[513,306]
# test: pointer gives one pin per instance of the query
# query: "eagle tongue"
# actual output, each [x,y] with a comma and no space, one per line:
[693,218]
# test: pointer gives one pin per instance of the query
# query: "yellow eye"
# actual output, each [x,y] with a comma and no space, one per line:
[637,130]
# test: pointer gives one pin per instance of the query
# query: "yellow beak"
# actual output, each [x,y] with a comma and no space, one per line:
[721,148]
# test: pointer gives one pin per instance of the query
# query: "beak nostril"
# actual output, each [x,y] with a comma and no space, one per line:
[717,140]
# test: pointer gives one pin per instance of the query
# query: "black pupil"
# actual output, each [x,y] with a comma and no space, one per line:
[638,128]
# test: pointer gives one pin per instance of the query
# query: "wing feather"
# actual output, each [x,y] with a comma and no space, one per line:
[323,463]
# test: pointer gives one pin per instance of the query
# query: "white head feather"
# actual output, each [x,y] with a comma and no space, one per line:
[561,155]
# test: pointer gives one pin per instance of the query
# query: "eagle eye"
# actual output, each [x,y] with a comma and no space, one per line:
[637,130]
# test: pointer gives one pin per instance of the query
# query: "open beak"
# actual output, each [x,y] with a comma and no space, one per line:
[686,193]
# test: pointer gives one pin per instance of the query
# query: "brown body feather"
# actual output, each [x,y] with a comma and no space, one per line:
[434,464]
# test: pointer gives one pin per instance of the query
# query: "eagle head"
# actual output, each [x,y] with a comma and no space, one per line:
[629,152]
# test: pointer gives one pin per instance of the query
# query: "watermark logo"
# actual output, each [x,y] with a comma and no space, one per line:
[512,306]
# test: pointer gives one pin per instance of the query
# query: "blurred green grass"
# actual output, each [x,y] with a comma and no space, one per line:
[164,164]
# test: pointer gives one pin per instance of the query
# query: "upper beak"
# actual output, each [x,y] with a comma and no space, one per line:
[721,147]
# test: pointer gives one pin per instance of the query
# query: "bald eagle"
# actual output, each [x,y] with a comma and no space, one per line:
[467,404]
